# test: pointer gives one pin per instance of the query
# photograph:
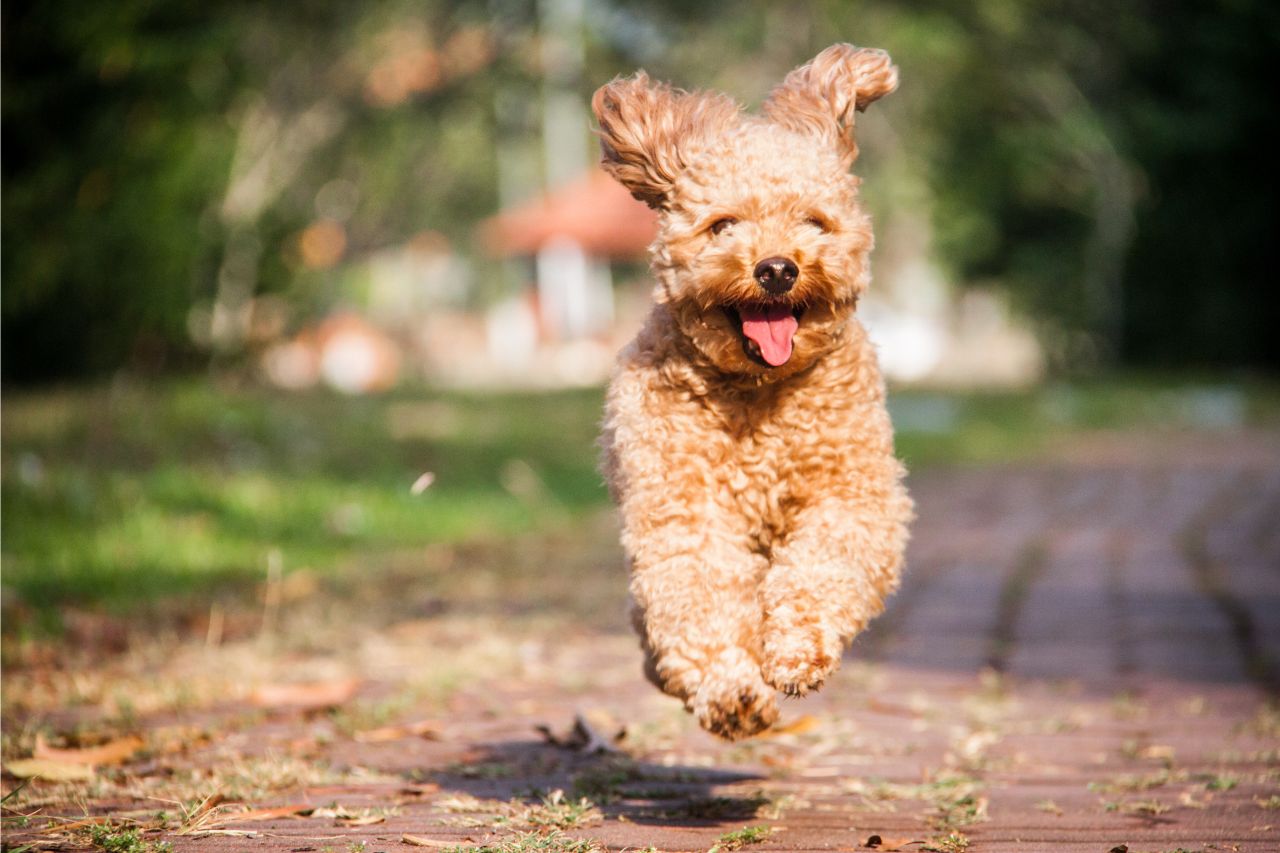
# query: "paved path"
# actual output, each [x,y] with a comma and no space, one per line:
[1083,656]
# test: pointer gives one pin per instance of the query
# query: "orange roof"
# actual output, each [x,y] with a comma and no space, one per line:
[594,211]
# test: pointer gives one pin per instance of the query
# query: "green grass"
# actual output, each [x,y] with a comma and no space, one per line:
[985,427]
[113,839]
[115,495]
[535,842]
[740,838]
[120,495]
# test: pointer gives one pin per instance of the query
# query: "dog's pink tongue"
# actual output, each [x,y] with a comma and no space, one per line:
[772,327]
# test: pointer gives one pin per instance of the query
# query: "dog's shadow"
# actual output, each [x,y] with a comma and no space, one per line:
[553,781]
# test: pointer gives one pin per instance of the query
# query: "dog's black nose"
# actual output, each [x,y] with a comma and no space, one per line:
[777,275]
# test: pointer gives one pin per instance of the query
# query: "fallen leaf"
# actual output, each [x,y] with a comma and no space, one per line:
[113,752]
[54,771]
[307,696]
[344,817]
[1119,848]
[422,728]
[877,842]
[335,811]
[366,820]
[798,726]
[234,833]
[419,841]
[272,813]
[588,733]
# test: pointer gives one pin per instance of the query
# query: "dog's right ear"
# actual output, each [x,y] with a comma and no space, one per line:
[648,130]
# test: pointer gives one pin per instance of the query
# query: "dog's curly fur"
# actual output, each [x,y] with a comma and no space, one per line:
[763,510]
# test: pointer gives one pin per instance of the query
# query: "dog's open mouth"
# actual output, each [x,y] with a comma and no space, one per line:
[768,329]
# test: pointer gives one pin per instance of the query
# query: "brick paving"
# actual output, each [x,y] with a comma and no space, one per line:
[1083,656]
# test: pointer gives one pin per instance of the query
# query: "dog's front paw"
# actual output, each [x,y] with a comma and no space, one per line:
[735,711]
[732,701]
[800,659]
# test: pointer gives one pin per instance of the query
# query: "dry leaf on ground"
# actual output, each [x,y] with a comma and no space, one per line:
[272,813]
[54,771]
[345,817]
[232,833]
[592,732]
[879,842]
[798,726]
[308,696]
[113,752]
[335,811]
[366,820]
[419,841]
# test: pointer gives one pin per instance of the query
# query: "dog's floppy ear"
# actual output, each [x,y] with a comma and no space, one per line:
[647,131]
[823,96]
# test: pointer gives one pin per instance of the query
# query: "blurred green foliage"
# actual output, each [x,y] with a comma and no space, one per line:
[147,144]
[127,494]
[1110,165]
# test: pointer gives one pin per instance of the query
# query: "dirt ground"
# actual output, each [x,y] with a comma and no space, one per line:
[1083,657]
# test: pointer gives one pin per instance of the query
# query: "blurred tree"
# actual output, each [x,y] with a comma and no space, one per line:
[1202,125]
[114,141]
[1109,166]
[1112,167]
[165,157]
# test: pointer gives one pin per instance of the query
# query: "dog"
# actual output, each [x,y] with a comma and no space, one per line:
[745,438]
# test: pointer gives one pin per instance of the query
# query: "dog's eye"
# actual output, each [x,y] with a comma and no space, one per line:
[722,223]
[818,223]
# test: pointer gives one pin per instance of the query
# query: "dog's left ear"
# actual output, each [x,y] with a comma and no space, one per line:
[648,131]
[823,96]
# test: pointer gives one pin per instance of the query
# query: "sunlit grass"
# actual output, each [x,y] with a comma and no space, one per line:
[115,495]
[1005,426]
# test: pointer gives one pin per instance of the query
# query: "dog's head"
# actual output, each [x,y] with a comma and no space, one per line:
[762,248]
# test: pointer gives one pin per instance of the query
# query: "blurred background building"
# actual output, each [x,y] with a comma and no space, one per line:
[363,194]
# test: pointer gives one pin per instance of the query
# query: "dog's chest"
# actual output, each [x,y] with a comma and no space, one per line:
[765,459]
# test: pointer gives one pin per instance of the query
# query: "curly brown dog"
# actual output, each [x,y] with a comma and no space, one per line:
[746,438]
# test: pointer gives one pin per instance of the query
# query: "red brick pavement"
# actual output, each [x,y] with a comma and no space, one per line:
[1083,656]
